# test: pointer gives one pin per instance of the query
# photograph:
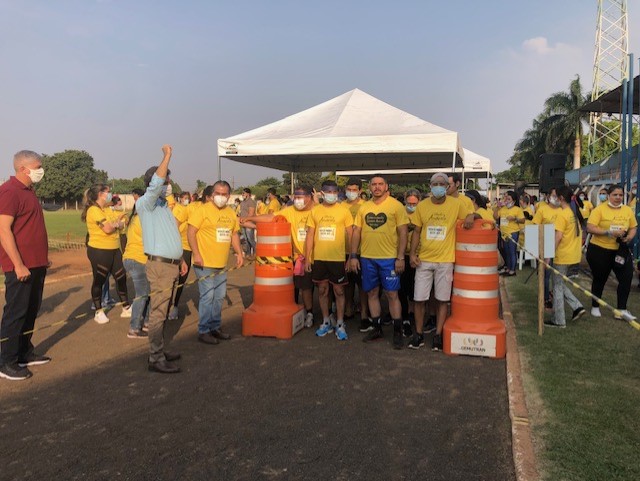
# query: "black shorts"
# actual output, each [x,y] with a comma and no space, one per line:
[332,271]
[303,282]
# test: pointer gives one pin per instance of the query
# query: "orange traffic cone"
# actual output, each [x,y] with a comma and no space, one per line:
[474,327]
[273,312]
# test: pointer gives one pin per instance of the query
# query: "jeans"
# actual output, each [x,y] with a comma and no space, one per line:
[212,285]
[510,251]
[250,236]
[139,308]
[561,293]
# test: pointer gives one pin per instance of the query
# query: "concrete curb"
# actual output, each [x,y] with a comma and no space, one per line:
[524,457]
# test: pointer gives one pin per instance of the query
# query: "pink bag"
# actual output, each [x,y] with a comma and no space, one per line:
[298,267]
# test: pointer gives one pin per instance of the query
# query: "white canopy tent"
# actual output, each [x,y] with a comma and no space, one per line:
[351,131]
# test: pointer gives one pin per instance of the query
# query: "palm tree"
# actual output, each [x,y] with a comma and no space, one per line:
[529,148]
[564,122]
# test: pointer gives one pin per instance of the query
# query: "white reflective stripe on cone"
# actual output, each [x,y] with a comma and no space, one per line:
[273,281]
[475,294]
[461,246]
[274,239]
[475,269]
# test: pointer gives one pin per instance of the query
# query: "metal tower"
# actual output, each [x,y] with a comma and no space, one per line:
[610,67]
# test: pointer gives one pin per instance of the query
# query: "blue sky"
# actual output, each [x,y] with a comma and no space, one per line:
[120,78]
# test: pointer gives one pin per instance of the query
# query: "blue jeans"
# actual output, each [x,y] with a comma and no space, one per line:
[139,308]
[213,289]
[510,251]
[249,235]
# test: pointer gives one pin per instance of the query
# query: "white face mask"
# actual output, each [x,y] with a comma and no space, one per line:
[582,197]
[220,200]
[36,175]
[299,204]
[554,201]
[352,195]
[185,202]
[330,198]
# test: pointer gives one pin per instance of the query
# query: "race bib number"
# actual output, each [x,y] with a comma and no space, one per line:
[223,234]
[616,228]
[436,232]
[327,233]
[503,222]
[302,234]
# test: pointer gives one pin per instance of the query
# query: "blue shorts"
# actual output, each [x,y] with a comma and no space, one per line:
[377,272]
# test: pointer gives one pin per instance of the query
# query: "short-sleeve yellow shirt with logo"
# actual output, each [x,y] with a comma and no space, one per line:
[330,224]
[298,220]
[545,214]
[466,203]
[508,227]
[569,251]
[379,223]
[98,239]
[608,218]
[181,213]
[135,247]
[353,208]
[438,224]
[485,214]
[215,229]
[274,206]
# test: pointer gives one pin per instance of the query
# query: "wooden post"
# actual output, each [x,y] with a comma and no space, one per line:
[541,268]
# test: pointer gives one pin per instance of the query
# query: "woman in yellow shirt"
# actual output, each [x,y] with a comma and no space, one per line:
[479,205]
[509,216]
[612,226]
[103,248]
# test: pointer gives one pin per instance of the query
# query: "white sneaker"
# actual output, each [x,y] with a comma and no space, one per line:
[626,316]
[126,312]
[100,317]
[308,320]
[595,312]
[173,313]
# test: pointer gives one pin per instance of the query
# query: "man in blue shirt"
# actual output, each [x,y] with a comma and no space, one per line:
[163,247]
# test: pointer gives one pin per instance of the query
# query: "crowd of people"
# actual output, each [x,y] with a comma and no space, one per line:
[353,249]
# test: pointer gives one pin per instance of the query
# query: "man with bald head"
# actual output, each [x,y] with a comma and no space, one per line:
[24,257]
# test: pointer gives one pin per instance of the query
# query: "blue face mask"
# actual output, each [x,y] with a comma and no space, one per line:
[439,191]
[411,209]
[163,193]
[602,197]
[109,197]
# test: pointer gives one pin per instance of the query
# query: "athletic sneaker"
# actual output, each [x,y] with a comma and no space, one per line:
[373,335]
[100,317]
[416,342]
[173,313]
[553,324]
[406,329]
[436,344]
[341,333]
[625,315]
[126,312]
[14,372]
[366,324]
[595,312]
[308,320]
[34,360]
[137,334]
[324,329]
[578,313]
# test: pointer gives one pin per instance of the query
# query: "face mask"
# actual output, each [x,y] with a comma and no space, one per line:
[508,205]
[352,195]
[411,209]
[634,191]
[330,198]
[220,200]
[582,197]
[554,201]
[169,189]
[109,197]
[602,197]
[36,175]
[614,206]
[439,191]
[185,202]
[299,204]
[267,201]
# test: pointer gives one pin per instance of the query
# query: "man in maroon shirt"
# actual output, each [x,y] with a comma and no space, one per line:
[24,259]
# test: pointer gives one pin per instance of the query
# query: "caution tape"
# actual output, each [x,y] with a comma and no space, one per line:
[268,260]
[616,312]
[80,316]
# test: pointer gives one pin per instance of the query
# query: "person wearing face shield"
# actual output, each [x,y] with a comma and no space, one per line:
[24,257]
[213,228]
[296,216]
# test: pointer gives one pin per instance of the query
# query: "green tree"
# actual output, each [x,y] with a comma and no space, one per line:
[301,178]
[67,175]
[269,182]
[200,185]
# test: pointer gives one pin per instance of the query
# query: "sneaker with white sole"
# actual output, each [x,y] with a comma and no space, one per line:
[578,313]
[625,315]
[13,372]
[100,317]
[126,312]
[140,334]
[595,312]
[308,320]
[324,329]
[173,313]
[341,333]
[34,360]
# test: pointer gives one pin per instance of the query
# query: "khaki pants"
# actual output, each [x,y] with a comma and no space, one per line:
[162,277]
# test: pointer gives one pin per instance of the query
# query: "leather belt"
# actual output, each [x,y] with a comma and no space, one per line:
[166,260]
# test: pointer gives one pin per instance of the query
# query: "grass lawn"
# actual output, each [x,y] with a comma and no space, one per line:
[65,225]
[583,387]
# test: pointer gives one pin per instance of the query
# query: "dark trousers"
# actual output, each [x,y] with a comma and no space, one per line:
[22,303]
[601,262]
[103,263]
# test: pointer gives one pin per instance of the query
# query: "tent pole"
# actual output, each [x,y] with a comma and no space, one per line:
[219,169]
[291,182]
[464,185]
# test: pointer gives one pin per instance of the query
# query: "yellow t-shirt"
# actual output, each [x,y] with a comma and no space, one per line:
[171,201]
[215,229]
[379,223]
[545,214]
[274,206]
[508,227]
[330,224]
[181,213]
[298,220]
[586,210]
[466,203]
[438,223]
[569,251]
[608,218]
[261,208]
[135,248]
[98,239]
[485,214]
[632,204]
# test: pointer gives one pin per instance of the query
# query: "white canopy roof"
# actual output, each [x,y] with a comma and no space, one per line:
[352,131]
